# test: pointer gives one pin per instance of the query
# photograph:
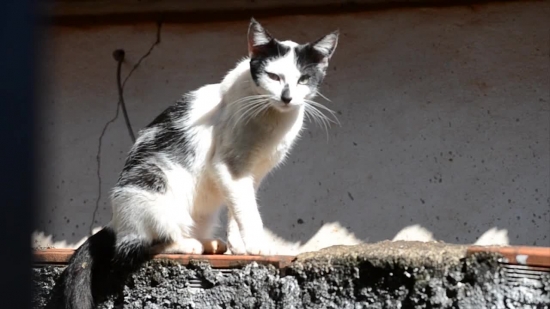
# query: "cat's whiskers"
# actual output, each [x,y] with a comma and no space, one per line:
[250,97]
[309,65]
[248,108]
[318,118]
[306,113]
[318,105]
[245,101]
[258,111]
[314,110]
[244,109]
[257,105]
[322,95]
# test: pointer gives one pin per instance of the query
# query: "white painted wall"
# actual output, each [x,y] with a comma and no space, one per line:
[444,123]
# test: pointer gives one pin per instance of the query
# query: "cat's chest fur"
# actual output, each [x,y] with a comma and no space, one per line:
[252,144]
[274,145]
[258,145]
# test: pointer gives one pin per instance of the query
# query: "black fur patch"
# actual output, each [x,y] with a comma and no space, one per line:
[307,59]
[168,139]
[263,54]
[145,175]
[96,270]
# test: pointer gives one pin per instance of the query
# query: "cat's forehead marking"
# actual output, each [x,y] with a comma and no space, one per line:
[285,65]
[290,44]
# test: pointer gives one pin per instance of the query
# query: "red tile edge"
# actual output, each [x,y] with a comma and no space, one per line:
[520,255]
[62,256]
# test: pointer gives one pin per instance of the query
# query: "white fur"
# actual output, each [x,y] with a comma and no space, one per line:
[238,131]
[285,68]
[188,211]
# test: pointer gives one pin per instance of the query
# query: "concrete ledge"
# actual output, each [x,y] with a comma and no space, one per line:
[381,275]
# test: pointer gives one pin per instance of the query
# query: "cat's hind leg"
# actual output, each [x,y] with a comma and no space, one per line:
[204,230]
[213,246]
[156,218]
[181,246]
[192,246]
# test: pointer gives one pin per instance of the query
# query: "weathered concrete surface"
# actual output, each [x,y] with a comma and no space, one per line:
[381,275]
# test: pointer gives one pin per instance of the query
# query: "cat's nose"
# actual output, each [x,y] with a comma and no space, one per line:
[286,99]
[285,95]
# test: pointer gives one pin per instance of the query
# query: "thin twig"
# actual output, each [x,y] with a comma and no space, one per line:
[119,57]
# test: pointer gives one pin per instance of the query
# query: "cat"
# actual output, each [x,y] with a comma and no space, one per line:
[212,148]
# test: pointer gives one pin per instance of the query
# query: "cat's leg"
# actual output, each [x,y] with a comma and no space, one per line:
[192,246]
[234,239]
[240,197]
[213,246]
[152,217]
[204,228]
[183,246]
[174,238]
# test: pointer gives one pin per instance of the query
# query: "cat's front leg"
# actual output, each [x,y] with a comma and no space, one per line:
[234,239]
[240,196]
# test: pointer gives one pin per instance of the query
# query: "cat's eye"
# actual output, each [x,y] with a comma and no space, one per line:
[274,77]
[303,80]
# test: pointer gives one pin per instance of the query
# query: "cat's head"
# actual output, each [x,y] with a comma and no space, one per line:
[289,72]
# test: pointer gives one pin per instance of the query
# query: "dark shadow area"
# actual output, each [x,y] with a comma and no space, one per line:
[175,13]
[18,114]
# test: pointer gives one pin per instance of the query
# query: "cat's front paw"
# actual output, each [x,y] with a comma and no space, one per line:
[184,246]
[257,246]
[236,244]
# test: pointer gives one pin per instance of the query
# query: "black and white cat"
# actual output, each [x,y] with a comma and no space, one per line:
[212,148]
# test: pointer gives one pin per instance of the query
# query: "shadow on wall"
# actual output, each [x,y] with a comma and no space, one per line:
[329,234]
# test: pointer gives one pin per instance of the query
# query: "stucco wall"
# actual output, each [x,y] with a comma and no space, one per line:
[444,123]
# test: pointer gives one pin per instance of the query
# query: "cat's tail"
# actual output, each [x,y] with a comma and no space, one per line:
[97,269]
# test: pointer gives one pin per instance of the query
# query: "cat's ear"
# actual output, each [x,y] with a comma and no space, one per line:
[257,36]
[327,44]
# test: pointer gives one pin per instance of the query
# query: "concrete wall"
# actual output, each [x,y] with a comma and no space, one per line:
[444,123]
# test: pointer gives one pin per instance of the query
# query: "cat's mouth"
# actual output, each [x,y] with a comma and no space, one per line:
[284,107]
